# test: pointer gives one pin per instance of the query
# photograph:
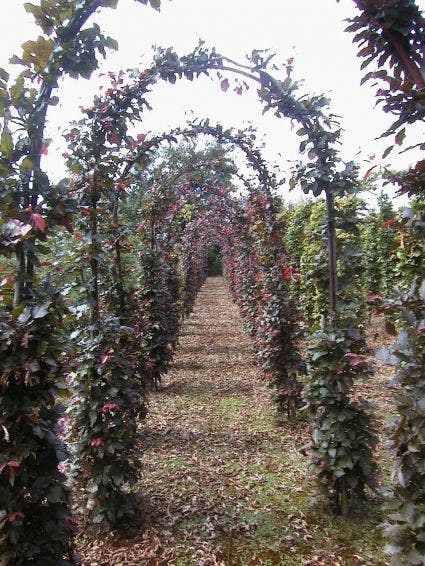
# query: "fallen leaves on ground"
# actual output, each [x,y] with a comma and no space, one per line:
[221,483]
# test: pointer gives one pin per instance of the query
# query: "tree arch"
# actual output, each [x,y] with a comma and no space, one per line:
[274,345]
[325,172]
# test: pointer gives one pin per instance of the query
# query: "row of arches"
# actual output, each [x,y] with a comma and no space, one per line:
[123,335]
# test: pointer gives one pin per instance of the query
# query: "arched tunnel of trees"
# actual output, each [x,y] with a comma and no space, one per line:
[165,313]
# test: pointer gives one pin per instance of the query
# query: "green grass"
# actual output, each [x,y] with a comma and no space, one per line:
[285,527]
[278,536]
[232,408]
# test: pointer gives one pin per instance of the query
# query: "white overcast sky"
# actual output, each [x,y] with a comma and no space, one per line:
[311,31]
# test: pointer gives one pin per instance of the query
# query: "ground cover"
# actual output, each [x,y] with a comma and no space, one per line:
[221,482]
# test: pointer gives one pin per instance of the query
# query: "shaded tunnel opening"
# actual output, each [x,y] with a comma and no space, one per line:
[215,261]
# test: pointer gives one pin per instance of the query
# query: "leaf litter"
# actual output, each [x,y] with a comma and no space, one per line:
[221,483]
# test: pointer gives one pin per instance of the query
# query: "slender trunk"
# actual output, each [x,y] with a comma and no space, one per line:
[32,193]
[395,39]
[343,497]
[118,272]
[119,283]
[20,279]
[94,292]
[411,69]
[330,224]
[94,261]
[152,234]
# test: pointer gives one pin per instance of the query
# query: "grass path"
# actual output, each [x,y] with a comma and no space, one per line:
[221,483]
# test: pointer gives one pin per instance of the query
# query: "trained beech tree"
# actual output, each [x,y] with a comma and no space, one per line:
[391,36]
[35,521]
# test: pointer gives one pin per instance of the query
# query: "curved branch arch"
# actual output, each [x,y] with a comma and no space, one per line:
[319,130]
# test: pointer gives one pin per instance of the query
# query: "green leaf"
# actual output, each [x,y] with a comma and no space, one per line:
[6,143]
[17,89]
[111,43]
[40,311]
[17,311]
[37,53]
[33,9]
[26,166]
